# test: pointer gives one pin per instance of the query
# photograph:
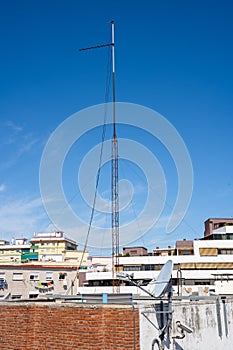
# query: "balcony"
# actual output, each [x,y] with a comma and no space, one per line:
[29,256]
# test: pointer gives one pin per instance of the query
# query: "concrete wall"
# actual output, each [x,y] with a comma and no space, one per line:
[212,327]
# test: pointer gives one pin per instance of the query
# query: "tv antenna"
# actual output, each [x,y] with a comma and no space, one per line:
[114,172]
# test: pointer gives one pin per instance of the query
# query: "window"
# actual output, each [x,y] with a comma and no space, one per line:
[33,295]
[189,282]
[49,276]
[148,267]
[225,251]
[192,282]
[17,276]
[2,275]
[16,296]
[62,276]
[132,268]
[202,282]
[34,276]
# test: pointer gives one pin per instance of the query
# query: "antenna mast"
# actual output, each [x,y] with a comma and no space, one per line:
[115,191]
[115,195]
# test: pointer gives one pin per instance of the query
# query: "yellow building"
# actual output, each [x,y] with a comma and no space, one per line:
[17,251]
[52,246]
[76,257]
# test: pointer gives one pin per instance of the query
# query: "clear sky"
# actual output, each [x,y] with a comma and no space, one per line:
[174,57]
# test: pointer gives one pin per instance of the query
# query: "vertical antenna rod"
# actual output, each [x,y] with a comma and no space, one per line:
[115,194]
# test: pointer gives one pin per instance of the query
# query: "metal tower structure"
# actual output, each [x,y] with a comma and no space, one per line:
[114,168]
[115,190]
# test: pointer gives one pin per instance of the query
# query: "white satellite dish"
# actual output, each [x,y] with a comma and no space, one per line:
[163,279]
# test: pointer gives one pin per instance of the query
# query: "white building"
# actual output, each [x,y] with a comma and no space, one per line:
[200,266]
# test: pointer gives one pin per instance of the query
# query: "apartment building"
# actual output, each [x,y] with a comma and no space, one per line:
[23,281]
[214,226]
[19,250]
[43,247]
[199,266]
[48,264]
[53,245]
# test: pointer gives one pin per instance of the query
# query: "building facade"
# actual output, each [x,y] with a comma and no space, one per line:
[51,246]
[27,281]
[213,224]
[19,250]
[51,261]
[135,251]
[48,264]
[43,248]
[201,266]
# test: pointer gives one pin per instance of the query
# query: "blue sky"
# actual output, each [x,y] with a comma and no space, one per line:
[172,56]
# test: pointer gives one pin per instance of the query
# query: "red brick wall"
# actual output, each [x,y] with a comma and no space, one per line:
[32,326]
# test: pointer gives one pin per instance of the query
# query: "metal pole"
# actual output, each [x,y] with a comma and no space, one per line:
[115,195]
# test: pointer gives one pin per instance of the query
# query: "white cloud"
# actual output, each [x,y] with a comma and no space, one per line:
[11,133]
[15,143]
[16,128]
[21,217]
[2,187]
[26,146]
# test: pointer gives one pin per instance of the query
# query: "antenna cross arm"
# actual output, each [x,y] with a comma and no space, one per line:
[96,47]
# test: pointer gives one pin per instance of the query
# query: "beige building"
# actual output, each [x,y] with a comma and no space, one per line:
[49,264]
[164,251]
[76,257]
[184,247]
[22,281]
[43,247]
[56,247]
[51,246]
[16,251]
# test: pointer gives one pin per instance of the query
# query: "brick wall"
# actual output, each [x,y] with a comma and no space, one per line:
[34,326]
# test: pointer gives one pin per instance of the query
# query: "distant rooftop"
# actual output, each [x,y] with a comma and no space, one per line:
[184,244]
[56,235]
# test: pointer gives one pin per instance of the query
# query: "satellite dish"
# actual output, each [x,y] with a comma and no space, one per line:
[163,279]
